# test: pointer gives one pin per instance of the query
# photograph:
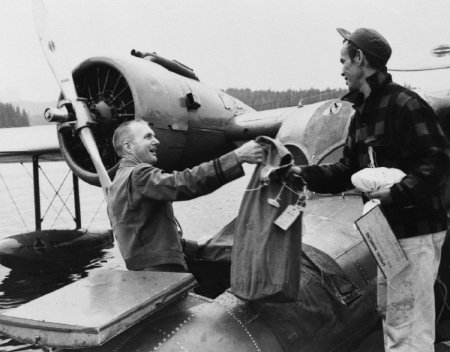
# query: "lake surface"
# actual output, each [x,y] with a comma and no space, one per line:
[200,219]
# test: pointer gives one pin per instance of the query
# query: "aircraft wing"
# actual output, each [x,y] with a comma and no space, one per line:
[20,144]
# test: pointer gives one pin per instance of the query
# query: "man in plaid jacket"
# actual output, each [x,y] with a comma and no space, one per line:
[393,127]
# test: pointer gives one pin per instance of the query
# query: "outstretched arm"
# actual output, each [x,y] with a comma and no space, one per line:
[156,184]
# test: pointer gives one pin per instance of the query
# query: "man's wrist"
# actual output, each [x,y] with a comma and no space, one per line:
[238,157]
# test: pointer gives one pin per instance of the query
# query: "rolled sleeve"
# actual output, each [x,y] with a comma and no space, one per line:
[230,167]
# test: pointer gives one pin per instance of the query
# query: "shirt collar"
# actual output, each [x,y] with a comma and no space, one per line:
[376,82]
[125,162]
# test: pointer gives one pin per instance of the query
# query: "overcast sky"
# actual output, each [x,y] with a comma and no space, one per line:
[258,44]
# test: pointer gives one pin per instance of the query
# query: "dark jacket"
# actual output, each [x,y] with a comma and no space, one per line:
[404,133]
[140,208]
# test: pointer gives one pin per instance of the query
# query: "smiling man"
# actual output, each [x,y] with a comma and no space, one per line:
[140,197]
[393,127]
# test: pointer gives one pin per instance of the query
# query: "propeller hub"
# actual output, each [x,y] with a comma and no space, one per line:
[103,112]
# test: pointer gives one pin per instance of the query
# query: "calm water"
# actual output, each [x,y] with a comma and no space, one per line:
[200,219]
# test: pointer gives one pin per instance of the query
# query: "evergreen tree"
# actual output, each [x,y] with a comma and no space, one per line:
[11,116]
[268,99]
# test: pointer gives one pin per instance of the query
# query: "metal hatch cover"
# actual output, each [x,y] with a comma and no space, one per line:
[92,310]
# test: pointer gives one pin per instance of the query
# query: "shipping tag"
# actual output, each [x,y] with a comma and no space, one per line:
[288,216]
[382,242]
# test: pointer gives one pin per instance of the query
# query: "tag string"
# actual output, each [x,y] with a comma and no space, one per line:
[297,193]
[284,185]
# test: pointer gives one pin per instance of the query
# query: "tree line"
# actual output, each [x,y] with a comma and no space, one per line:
[12,116]
[270,99]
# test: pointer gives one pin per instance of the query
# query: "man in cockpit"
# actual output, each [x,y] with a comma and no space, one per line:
[394,127]
[141,195]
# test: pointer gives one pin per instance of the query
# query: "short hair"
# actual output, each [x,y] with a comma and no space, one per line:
[373,61]
[122,133]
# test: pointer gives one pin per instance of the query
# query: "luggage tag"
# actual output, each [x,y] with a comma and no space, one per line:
[290,214]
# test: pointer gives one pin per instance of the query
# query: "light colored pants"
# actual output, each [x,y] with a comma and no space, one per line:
[406,302]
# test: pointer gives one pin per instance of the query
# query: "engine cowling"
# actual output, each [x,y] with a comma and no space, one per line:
[188,117]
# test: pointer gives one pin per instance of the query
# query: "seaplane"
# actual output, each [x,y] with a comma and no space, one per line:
[156,311]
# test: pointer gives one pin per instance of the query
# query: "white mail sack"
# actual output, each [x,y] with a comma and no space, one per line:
[375,178]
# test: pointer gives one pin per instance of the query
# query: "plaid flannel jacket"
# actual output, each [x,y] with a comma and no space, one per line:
[404,133]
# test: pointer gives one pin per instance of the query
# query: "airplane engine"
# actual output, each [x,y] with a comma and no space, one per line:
[188,117]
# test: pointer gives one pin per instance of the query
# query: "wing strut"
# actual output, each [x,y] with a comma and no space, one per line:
[37,193]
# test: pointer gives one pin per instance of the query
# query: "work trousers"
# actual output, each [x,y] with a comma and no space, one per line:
[406,302]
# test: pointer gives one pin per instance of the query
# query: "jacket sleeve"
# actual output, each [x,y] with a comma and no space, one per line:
[334,178]
[156,184]
[425,143]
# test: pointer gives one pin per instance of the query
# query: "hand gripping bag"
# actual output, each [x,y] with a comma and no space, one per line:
[265,259]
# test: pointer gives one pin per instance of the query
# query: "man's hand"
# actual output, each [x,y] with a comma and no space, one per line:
[293,171]
[250,152]
[383,194]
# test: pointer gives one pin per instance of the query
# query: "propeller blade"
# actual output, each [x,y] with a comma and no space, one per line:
[88,140]
[55,58]
[63,76]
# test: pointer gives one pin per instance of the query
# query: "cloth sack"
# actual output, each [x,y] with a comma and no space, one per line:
[373,179]
[265,259]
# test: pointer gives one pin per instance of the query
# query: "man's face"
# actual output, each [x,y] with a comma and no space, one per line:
[144,144]
[351,71]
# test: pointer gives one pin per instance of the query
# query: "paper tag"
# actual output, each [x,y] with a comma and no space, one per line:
[288,216]
[382,242]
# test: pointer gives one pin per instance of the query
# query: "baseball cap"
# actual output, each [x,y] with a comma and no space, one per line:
[369,41]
